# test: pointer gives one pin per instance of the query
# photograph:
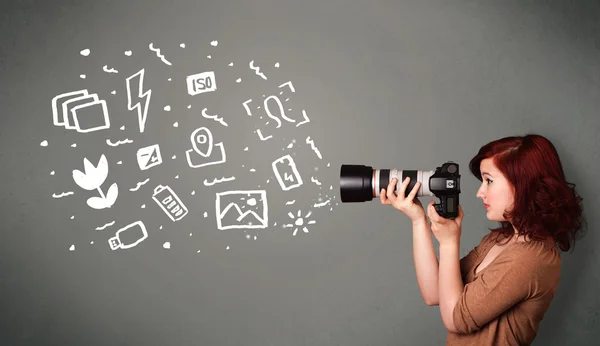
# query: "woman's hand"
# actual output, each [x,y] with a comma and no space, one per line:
[446,231]
[410,205]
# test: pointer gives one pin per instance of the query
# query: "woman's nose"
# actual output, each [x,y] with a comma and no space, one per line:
[479,194]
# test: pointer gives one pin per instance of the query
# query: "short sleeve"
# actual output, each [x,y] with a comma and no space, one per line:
[504,283]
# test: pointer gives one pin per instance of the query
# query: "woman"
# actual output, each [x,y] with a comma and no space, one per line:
[499,292]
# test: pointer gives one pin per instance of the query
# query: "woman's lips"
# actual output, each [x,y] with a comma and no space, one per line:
[487,206]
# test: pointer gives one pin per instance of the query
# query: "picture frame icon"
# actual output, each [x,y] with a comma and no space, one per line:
[230,204]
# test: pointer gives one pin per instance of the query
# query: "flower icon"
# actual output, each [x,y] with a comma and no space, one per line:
[93,178]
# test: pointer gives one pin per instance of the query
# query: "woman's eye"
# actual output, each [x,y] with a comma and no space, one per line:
[488,180]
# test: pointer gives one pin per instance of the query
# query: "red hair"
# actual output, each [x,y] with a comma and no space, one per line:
[545,204]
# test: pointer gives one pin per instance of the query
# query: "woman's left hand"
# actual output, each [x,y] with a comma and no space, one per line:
[445,230]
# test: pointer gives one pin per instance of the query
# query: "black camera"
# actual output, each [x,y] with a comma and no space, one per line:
[359,183]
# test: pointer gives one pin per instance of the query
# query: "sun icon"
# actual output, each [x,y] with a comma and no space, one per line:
[299,221]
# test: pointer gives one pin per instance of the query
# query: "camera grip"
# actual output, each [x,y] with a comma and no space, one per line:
[448,206]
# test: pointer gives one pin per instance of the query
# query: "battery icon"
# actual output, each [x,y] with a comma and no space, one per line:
[286,173]
[169,202]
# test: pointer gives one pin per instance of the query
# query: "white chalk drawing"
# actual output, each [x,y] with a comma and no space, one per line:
[85,52]
[200,83]
[169,202]
[80,111]
[314,148]
[290,202]
[64,194]
[289,85]
[304,118]
[214,43]
[148,157]
[234,202]
[260,135]
[245,103]
[139,185]
[117,143]
[314,180]
[93,178]
[44,143]
[216,181]
[129,236]
[319,205]
[213,117]
[101,228]
[281,110]
[162,57]
[257,70]
[286,173]
[204,137]
[299,222]
[137,98]
[127,52]
[109,70]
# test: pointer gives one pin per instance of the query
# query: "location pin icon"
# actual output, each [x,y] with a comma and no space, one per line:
[202,141]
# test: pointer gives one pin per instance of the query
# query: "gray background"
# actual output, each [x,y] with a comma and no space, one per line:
[390,84]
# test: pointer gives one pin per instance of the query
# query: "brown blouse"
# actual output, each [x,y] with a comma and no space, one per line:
[504,303]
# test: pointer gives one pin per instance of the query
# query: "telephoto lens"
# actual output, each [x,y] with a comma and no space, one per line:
[360,183]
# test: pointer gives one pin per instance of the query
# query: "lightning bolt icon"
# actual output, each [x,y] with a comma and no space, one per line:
[137,98]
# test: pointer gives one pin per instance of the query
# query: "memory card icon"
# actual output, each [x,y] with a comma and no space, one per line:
[286,173]
[148,157]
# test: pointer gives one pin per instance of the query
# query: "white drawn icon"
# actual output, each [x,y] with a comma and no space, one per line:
[93,178]
[449,184]
[129,236]
[313,147]
[137,98]
[148,157]
[201,83]
[230,214]
[80,111]
[202,148]
[169,202]
[299,222]
[281,110]
[286,173]
[257,70]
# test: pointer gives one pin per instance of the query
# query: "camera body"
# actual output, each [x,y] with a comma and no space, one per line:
[359,183]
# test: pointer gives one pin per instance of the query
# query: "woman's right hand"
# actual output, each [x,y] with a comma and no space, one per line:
[409,205]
